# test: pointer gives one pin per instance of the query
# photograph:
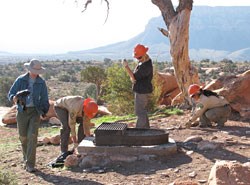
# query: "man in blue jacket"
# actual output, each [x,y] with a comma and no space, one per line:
[30,106]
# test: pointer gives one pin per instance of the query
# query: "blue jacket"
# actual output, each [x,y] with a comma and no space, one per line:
[40,92]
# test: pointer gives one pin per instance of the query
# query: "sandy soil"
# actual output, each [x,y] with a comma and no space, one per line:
[233,141]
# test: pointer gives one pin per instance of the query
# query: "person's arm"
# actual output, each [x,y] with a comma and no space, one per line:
[129,71]
[12,92]
[200,109]
[44,100]
[72,126]
[86,126]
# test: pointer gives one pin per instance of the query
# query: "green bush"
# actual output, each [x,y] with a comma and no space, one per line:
[6,84]
[7,178]
[118,91]
[95,75]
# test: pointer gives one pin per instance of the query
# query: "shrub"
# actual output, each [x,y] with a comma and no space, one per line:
[7,178]
[118,91]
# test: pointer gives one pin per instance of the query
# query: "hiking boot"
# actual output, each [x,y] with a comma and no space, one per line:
[221,123]
[30,169]
[202,125]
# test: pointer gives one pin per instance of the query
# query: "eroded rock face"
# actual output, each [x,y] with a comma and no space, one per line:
[236,89]
[10,116]
[230,173]
[169,88]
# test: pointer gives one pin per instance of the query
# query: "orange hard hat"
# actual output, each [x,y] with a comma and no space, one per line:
[90,108]
[193,89]
[140,50]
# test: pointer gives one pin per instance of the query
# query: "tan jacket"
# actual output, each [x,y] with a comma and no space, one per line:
[207,102]
[74,105]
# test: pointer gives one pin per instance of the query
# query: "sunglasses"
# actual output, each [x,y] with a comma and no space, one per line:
[139,58]
[194,95]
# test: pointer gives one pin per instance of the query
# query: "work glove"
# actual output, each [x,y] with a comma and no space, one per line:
[188,124]
[124,63]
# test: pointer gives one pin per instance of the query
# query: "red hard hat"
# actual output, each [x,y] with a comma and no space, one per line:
[90,108]
[140,50]
[193,89]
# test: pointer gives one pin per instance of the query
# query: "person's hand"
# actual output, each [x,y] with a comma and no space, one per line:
[15,99]
[125,63]
[133,80]
[75,145]
[188,124]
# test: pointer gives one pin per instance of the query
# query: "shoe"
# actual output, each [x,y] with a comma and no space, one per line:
[202,126]
[30,169]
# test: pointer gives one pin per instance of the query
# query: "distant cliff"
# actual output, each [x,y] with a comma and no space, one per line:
[215,33]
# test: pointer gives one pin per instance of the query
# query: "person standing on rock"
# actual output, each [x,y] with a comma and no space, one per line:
[209,107]
[35,103]
[70,110]
[141,79]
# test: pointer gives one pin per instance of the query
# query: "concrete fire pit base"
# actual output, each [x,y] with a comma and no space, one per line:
[102,155]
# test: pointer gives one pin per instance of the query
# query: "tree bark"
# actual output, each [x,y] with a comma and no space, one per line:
[177,22]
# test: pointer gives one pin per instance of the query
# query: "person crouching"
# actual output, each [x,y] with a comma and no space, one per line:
[209,107]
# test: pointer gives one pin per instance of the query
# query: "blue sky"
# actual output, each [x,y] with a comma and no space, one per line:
[58,26]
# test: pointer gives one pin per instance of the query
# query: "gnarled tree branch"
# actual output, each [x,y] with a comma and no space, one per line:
[167,9]
[90,1]
[184,4]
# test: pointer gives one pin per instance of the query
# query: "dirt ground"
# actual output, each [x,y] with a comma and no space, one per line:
[233,141]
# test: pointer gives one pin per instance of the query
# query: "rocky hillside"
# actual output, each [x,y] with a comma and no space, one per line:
[215,33]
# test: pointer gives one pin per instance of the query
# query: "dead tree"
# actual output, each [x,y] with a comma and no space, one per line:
[177,22]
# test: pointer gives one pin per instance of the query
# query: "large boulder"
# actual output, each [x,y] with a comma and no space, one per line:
[169,88]
[236,89]
[10,116]
[229,173]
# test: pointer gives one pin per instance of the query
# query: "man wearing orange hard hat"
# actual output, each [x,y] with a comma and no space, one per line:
[209,107]
[69,110]
[141,79]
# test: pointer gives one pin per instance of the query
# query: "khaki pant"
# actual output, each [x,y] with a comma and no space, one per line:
[63,116]
[217,115]
[28,123]
[141,103]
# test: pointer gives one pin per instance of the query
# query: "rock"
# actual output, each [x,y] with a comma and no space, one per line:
[192,174]
[103,110]
[10,116]
[207,145]
[54,121]
[55,140]
[123,158]
[46,140]
[236,89]
[229,173]
[94,160]
[202,181]
[184,183]
[71,161]
[169,88]
[193,139]
[189,152]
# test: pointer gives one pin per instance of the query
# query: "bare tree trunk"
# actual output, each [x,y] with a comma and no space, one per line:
[177,22]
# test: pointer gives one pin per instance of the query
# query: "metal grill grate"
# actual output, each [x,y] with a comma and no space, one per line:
[111,128]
